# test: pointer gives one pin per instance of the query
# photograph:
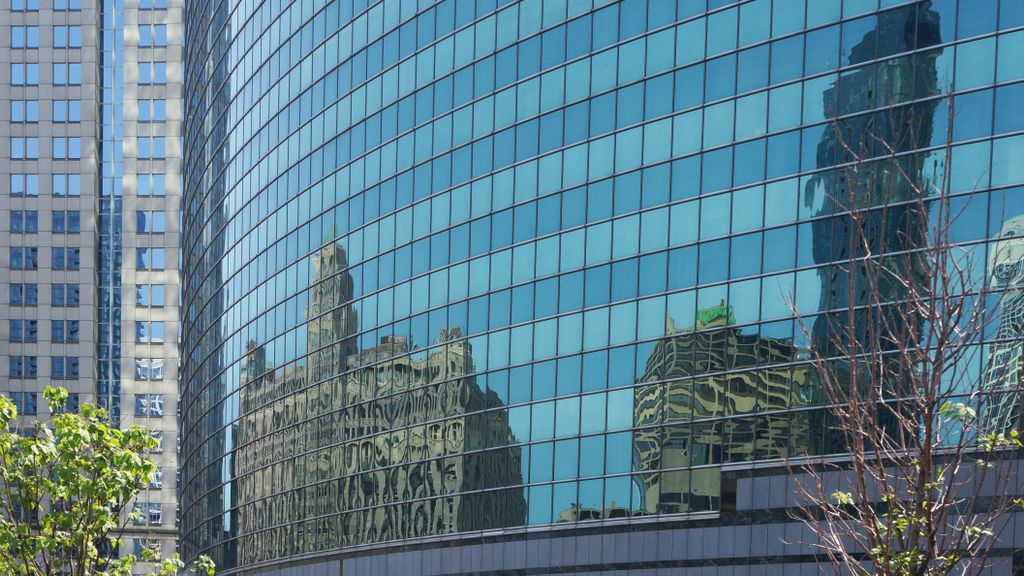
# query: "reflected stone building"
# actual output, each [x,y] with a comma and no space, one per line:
[402,443]
[724,395]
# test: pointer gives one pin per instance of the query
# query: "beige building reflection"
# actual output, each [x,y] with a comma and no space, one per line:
[723,394]
[363,446]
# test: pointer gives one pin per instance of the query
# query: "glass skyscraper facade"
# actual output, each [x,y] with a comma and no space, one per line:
[457,270]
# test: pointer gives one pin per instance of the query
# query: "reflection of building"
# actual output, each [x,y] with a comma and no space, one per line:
[397,441]
[875,183]
[393,441]
[1004,371]
[723,394]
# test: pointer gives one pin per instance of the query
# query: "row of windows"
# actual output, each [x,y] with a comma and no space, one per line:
[76,5]
[62,148]
[27,258]
[27,402]
[63,36]
[70,74]
[60,331]
[62,111]
[148,184]
[58,5]
[70,148]
[63,221]
[150,36]
[62,185]
[27,367]
[27,294]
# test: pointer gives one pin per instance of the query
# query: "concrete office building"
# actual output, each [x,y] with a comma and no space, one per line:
[90,172]
[502,287]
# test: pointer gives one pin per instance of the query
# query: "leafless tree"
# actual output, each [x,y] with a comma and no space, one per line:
[932,465]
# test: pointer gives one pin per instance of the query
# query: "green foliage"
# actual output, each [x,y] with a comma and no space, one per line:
[64,490]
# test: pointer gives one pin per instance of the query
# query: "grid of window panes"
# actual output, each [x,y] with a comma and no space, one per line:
[41,214]
[468,265]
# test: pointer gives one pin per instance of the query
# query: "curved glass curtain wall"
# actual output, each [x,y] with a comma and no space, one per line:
[466,265]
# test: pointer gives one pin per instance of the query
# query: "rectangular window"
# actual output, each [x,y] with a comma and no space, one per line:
[152,73]
[67,185]
[57,367]
[159,437]
[152,35]
[151,185]
[66,258]
[24,294]
[156,514]
[67,111]
[64,330]
[67,5]
[149,295]
[24,36]
[24,74]
[149,404]
[67,36]
[147,514]
[152,4]
[67,148]
[152,147]
[64,368]
[24,111]
[67,221]
[71,405]
[24,330]
[24,148]
[23,258]
[24,5]
[153,110]
[24,185]
[67,74]
[64,295]
[149,332]
[157,481]
[25,402]
[150,221]
[24,367]
[149,369]
[149,258]
[24,221]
